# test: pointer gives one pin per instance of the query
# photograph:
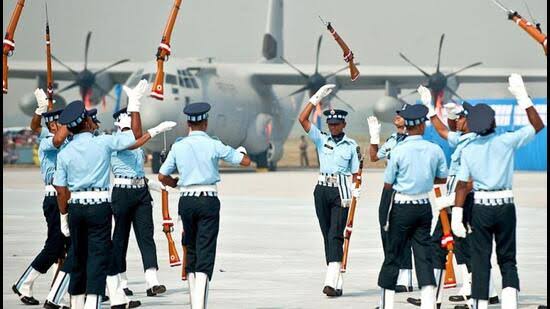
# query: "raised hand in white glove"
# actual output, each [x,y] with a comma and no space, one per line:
[456,222]
[65,224]
[42,100]
[452,110]
[135,94]
[162,127]
[426,98]
[356,192]
[517,88]
[374,130]
[242,150]
[321,93]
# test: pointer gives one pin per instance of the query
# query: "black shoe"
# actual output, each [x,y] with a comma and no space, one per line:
[50,305]
[542,307]
[458,298]
[403,289]
[331,292]
[27,300]
[494,300]
[15,290]
[128,292]
[104,298]
[155,290]
[418,302]
[462,307]
[131,304]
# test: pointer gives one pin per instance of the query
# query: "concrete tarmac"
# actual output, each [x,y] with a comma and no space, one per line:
[269,252]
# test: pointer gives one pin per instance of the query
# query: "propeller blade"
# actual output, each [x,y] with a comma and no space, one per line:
[318,54]
[75,73]
[439,53]
[72,85]
[104,92]
[464,68]
[414,65]
[299,90]
[340,70]
[304,75]
[86,48]
[343,102]
[110,66]
[454,93]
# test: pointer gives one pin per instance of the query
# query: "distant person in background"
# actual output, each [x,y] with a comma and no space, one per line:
[304,161]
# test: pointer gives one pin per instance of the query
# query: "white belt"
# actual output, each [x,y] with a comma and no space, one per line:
[421,198]
[327,180]
[50,190]
[129,182]
[198,190]
[90,197]
[493,198]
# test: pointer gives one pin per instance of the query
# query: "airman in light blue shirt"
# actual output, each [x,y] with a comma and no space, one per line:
[335,157]
[391,142]
[128,163]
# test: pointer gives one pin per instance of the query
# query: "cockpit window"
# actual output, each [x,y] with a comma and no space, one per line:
[171,79]
[187,80]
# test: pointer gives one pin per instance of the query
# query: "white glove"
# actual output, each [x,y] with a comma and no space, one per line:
[321,93]
[374,130]
[356,192]
[517,88]
[242,150]
[426,98]
[162,127]
[134,95]
[154,185]
[456,222]
[452,110]
[65,224]
[42,100]
[124,121]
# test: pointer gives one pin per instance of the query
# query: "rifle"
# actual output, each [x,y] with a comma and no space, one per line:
[163,52]
[448,243]
[167,223]
[9,44]
[348,54]
[351,215]
[49,73]
[533,30]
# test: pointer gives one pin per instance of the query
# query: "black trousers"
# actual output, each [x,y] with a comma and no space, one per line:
[332,220]
[385,203]
[488,222]
[132,207]
[54,247]
[408,222]
[90,227]
[201,222]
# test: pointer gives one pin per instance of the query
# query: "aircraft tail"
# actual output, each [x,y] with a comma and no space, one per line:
[272,48]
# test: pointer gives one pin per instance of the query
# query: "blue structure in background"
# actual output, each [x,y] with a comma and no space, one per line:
[533,156]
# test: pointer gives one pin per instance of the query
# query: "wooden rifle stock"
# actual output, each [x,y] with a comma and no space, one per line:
[348,54]
[531,29]
[448,243]
[163,52]
[167,228]
[9,43]
[351,216]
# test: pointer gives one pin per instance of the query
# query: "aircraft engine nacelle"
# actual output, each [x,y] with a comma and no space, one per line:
[28,104]
[106,83]
[385,108]
[258,134]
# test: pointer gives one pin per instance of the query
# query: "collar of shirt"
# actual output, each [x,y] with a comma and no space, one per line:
[466,136]
[198,133]
[345,139]
[411,138]
[83,135]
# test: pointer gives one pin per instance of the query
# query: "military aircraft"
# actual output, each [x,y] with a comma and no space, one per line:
[246,109]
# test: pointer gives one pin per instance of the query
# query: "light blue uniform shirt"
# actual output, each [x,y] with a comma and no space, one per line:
[489,160]
[391,142]
[128,163]
[84,163]
[47,154]
[197,157]
[459,142]
[335,158]
[414,165]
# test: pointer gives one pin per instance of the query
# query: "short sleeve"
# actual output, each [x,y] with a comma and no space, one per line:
[228,154]
[442,171]
[169,165]
[315,135]
[520,137]
[46,145]
[453,138]
[119,141]
[385,148]
[463,173]
[60,176]
[354,164]
[390,174]
[44,132]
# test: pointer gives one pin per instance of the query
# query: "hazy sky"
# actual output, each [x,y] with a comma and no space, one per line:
[232,30]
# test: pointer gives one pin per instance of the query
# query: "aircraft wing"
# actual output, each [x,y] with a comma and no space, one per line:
[375,77]
[32,69]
